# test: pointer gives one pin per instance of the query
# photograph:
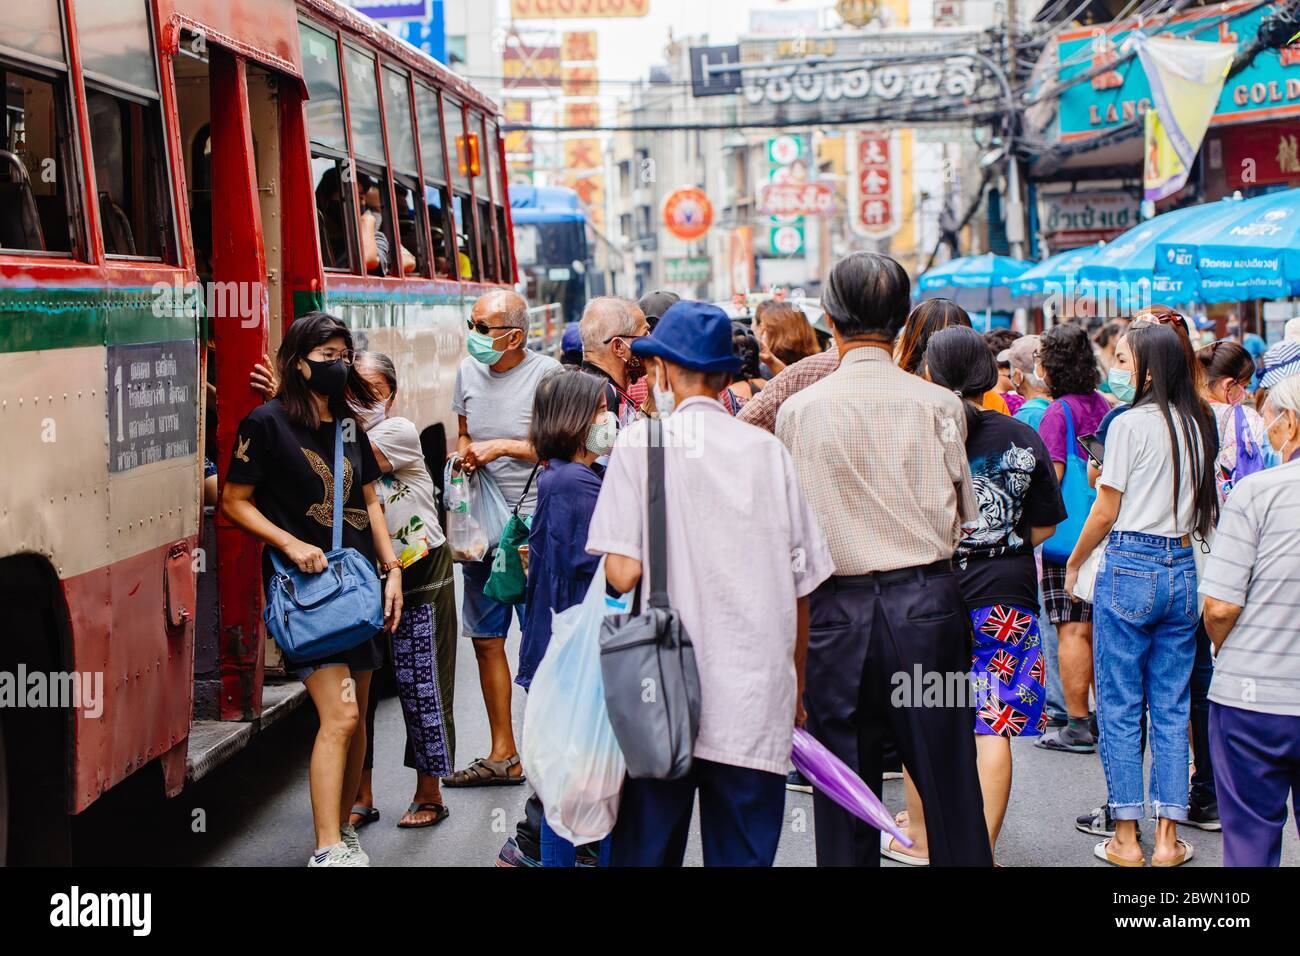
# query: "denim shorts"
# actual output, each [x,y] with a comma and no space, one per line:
[366,657]
[483,619]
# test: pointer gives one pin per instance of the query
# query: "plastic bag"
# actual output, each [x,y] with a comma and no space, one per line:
[570,754]
[476,513]
[832,776]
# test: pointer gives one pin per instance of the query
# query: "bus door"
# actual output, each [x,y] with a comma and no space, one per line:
[228,116]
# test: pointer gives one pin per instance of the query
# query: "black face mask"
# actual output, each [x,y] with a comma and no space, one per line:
[327,378]
[635,369]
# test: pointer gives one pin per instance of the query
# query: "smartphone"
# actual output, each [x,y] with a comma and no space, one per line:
[1093,448]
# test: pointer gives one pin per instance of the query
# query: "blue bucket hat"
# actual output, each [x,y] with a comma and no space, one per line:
[1281,361]
[694,335]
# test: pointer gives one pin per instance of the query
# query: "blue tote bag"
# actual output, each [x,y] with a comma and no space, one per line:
[316,615]
[1076,493]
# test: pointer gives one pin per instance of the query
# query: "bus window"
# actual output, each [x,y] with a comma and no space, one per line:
[478,164]
[406,168]
[126,132]
[33,27]
[331,168]
[462,208]
[437,200]
[500,200]
[37,210]
[380,251]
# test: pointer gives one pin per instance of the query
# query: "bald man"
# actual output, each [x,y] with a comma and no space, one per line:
[494,399]
[609,327]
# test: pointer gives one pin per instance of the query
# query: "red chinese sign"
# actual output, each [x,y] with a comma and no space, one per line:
[1262,154]
[796,199]
[688,214]
[873,186]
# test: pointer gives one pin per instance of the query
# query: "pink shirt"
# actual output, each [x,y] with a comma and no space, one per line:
[743,546]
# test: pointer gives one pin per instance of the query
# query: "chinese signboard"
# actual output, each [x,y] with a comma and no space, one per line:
[875,204]
[535,68]
[1071,220]
[1268,87]
[581,155]
[577,9]
[582,113]
[579,47]
[1263,154]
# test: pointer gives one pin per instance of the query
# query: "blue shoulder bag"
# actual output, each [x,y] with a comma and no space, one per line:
[317,615]
[1077,494]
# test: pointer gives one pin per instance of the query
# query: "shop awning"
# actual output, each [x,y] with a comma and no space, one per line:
[1054,271]
[976,283]
[1124,270]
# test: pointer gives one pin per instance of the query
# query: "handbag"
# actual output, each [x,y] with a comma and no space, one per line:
[1077,495]
[317,615]
[508,584]
[652,683]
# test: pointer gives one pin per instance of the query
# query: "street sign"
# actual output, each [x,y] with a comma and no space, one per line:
[787,240]
[394,9]
[784,150]
[796,199]
[704,83]
[693,269]
[688,214]
[875,201]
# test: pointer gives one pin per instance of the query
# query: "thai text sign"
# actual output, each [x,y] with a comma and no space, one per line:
[796,199]
[577,9]
[1070,220]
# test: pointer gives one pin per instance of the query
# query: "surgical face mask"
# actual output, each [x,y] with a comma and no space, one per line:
[372,416]
[327,378]
[482,348]
[602,434]
[665,400]
[1121,385]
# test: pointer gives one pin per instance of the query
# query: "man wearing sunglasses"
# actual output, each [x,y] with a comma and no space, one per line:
[609,327]
[494,399]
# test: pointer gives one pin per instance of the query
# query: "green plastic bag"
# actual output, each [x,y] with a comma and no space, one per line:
[508,583]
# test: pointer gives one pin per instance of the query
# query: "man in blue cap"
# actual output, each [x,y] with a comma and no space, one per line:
[743,553]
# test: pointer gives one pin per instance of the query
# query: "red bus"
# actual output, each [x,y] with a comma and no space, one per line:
[179,179]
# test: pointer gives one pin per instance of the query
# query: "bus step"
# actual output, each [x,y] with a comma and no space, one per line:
[213,742]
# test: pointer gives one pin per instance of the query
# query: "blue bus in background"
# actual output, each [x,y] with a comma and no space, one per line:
[557,250]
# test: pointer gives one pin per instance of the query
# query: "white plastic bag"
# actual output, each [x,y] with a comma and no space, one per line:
[570,754]
[476,513]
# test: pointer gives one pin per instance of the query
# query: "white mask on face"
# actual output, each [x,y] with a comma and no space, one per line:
[601,435]
[665,400]
[372,416]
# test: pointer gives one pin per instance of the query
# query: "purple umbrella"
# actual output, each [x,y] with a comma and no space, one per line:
[829,774]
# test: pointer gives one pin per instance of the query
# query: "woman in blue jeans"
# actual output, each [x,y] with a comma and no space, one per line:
[1156,494]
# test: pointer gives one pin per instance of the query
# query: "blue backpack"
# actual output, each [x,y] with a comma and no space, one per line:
[1077,495]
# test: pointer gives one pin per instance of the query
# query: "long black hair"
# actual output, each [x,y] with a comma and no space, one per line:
[305,334]
[1165,381]
[958,359]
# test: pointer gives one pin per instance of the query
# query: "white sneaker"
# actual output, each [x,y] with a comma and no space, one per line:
[338,855]
[353,842]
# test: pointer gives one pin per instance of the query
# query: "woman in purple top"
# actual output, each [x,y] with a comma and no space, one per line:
[1069,367]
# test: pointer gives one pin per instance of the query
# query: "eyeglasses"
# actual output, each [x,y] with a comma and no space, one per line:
[482,328]
[613,337]
[330,355]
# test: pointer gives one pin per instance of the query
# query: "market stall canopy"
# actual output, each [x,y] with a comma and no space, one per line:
[977,283]
[1053,272]
[1124,270]
[1237,249]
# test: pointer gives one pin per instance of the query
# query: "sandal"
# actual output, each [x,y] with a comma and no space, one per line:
[367,815]
[439,812]
[898,856]
[1188,852]
[1102,852]
[487,773]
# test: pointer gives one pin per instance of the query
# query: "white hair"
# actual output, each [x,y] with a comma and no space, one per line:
[603,319]
[1293,330]
[1285,396]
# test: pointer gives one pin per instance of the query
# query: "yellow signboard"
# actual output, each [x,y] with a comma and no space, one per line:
[579,47]
[577,9]
[583,154]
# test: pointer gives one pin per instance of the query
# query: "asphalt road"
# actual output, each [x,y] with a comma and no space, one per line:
[255,811]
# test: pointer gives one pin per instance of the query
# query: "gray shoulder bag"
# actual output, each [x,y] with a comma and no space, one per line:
[652,686]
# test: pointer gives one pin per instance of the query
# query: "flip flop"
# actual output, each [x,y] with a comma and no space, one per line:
[1102,852]
[1189,851]
[898,856]
[439,812]
[367,814]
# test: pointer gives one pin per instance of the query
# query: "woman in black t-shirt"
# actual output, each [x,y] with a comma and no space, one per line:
[280,489]
[1020,506]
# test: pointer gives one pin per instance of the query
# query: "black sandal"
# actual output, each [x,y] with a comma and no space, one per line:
[439,812]
[486,773]
[367,815]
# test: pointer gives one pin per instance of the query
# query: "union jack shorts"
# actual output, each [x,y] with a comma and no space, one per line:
[1008,672]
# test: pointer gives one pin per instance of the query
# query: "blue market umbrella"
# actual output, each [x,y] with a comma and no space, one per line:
[977,283]
[1237,249]
[1053,273]
[1124,270]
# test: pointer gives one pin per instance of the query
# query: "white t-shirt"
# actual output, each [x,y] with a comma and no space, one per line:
[1140,464]
[407,492]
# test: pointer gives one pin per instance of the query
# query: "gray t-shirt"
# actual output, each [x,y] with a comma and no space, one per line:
[500,405]
[1255,565]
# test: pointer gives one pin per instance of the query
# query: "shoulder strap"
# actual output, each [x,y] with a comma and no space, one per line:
[338,486]
[1069,429]
[524,497]
[658,515]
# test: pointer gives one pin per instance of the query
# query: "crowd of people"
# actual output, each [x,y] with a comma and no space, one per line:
[1100,537]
